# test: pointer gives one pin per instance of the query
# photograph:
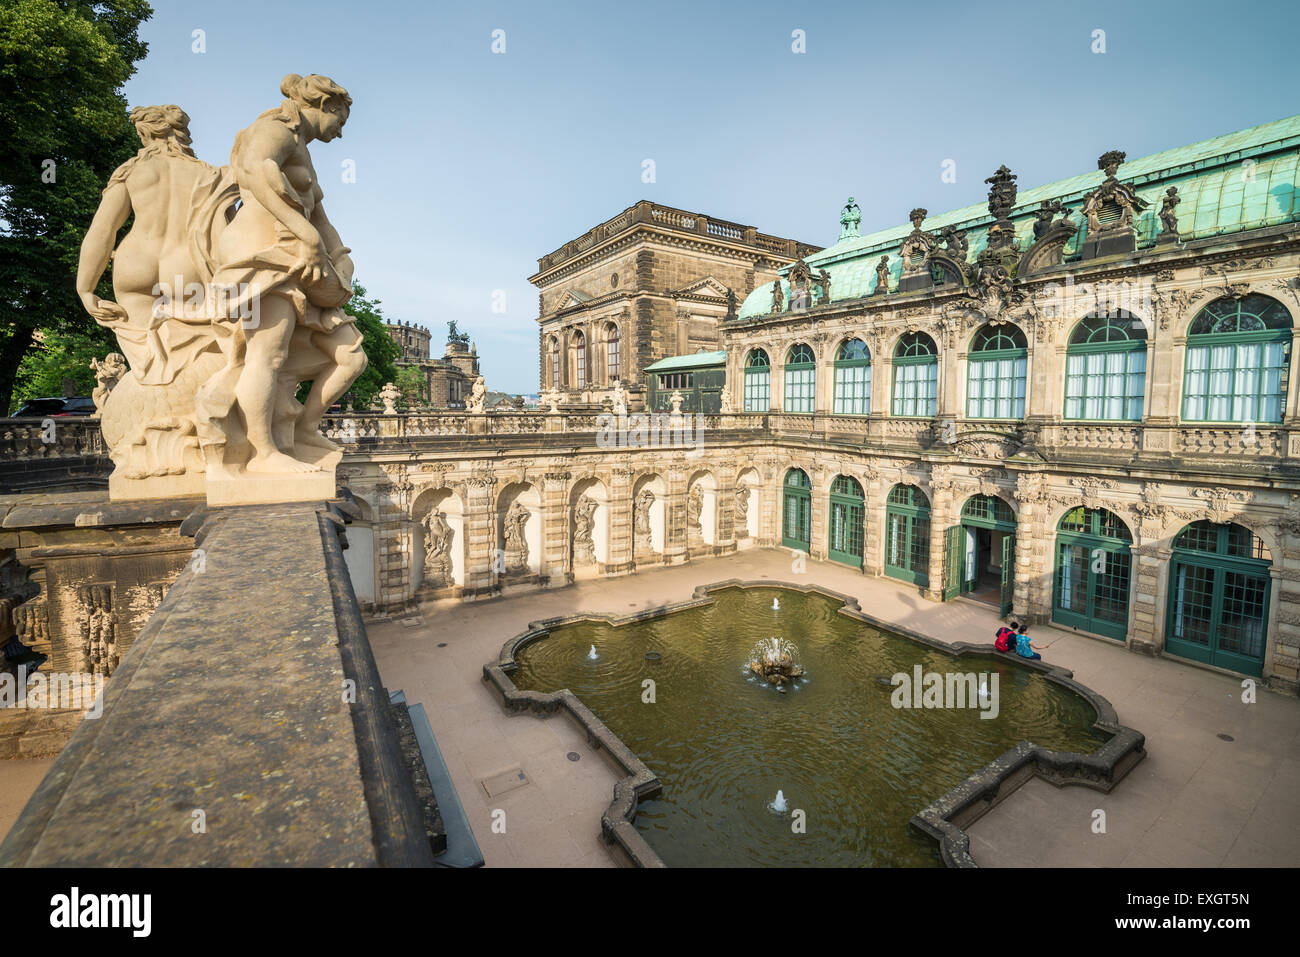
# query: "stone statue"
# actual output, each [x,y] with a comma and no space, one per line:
[731,305]
[1168,219]
[107,375]
[619,398]
[98,635]
[1002,192]
[282,261]
[882,276]
[1043,216]
[724,398]
[955,243]
[778,300]
[641,517]
[478,393]
[742,511]
[676,399]
[850,218]
[229,287]
[584,520]
[179,206]
[800,291]
[516,543]
[438,536]
[824,284]
[695,508]
[551,400]
[389,395]
[1111,193]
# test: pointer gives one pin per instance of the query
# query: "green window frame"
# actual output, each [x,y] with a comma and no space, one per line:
[580,359]
[852,395]
[796,511]
[995,373]
[1237,361]
[847,511]
[916,376]
[758,382]
[907,535]
[1092,579]
[1219,585]
[800,379]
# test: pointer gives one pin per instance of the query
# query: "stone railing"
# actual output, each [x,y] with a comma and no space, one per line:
[54,437]
[906,430]
[1236,442]
[1118,438]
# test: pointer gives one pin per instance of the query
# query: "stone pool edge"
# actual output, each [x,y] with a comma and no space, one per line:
[944,820]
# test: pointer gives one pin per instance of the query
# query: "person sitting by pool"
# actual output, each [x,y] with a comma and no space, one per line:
[1025,647]
[1006,638]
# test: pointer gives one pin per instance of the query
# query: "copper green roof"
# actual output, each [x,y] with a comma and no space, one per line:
[1227,184]
[695,360]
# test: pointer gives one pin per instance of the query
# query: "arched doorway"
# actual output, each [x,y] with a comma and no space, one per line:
[1218,596]
[1093,572]
[846,521]
[796,511]
[980,553]
[907,535]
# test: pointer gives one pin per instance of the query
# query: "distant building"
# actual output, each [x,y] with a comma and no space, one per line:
[652,282]
[447,380]
[700,378]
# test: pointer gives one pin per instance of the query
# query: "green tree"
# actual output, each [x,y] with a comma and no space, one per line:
[410,379]
[61,354]
[381,351]
[62,65]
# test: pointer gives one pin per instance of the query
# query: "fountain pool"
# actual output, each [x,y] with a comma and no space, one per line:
[839,756]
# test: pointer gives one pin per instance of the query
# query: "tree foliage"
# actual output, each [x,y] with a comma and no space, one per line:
[62,66]
[381,351]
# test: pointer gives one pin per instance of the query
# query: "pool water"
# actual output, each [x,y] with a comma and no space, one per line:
[852,768]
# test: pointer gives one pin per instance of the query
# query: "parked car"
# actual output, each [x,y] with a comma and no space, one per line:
[40,408]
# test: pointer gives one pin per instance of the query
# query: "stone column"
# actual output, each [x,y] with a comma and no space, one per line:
[392,532]
[819,527]
[1031,593]
[675,541]
[941,488]
[480,536]
[555,569]
[724,528]
[1285,610]
[873,513]
[620,522]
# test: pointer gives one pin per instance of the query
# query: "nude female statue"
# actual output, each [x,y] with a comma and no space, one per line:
[283,262]
[154,272]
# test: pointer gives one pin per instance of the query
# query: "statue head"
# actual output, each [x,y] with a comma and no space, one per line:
[321,101]
[163,128]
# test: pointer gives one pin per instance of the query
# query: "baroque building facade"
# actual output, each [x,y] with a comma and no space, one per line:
[1078,404]
[651,282]
[447,381]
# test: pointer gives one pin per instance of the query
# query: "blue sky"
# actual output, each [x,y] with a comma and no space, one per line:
[471,165]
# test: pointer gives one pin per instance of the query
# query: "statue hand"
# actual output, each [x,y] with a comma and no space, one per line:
[312,265]
[105,311]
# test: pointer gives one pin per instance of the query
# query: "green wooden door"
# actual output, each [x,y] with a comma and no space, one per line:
[954,561]
[796,511]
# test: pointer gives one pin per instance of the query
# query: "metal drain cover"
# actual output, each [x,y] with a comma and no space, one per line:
[574,756]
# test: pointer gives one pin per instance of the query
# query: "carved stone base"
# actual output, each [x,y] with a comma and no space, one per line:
[187,485]
[1112,243]
[227,485]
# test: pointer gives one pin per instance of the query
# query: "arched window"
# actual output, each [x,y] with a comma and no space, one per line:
[758,382]
[800,370]
[796,518]
[1093,572]
[1237,352]
[1106,368]
[907,535]
[612,354]
[852,378]
[916,375]
[580,360]
[995,378]
[979,554]
[555,362]
[1218,596]
[846,528]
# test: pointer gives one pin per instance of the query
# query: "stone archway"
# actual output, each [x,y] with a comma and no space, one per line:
[438,559]
[649,497]
[519,532]
[589,525]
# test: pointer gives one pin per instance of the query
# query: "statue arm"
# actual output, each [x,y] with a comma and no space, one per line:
[97,249]
[259,168]
[334,248]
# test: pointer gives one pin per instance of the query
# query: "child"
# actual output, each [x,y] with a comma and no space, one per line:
[1025,647]
[1005,640]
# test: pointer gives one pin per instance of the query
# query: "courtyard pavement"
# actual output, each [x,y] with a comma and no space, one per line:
[1196,800]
